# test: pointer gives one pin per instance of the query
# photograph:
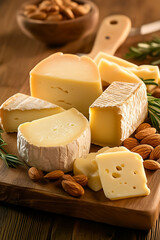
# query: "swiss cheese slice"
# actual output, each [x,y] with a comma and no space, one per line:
[66,80]
[122,175]
[116,114]
[22,108]
[54,142]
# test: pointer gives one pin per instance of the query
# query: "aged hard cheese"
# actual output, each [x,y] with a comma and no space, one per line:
[111,72]
[54,142]
[22,108]
[122,175]
[66,80]
[116,114]
[87,166]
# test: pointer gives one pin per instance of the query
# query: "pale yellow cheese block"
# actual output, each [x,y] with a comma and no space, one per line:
[66,80]
[88,167]
[116,114]
[121,62]
[122,175]
[111,72]
[21,108]
[54,142]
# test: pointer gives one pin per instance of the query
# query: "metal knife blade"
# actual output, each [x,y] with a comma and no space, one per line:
[145,29]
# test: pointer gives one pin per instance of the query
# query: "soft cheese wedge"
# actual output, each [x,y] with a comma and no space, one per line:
[122,175]
[111,72]
[121,62]
[116,114]
[66,80]
[22,108]
[54,142]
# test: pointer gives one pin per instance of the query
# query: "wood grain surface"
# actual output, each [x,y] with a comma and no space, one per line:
[18,55]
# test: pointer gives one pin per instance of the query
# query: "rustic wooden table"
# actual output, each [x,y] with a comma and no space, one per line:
[18,54]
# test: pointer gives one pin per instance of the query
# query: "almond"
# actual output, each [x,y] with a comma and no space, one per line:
[38,15]
[67,177]
[143,126]
[73,188]
[145,132]
[54,175]
[151,165]
[30,7]
[130,143]
[153,140]
[156,92]
[35,174]
[56,17]
[155,154]
[144,150]
[81,179]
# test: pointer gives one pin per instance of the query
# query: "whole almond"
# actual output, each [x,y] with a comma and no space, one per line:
[153,140]
[144,150]
[81,179]
[143,126]
[55,17]
[56,174]
[151,165]
[130,143]
[35,174]
[156,92]
[68,13]
[145,132]
[68,177]
[81,9]
[30,7]
[73,188]
[38,15]
[155,154]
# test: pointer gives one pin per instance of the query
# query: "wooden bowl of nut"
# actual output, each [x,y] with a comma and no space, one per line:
[58,22]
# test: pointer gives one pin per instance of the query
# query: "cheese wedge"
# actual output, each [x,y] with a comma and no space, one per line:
[22,108]
[111,72]
[121,62]
[54,142]
[116,114]
[88,167]
[122,175]
[66,80]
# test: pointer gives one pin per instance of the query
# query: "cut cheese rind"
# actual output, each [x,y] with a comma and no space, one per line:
[66,80]
[22,108]
[116,114]
[54,142]
[121,62]
[122,175]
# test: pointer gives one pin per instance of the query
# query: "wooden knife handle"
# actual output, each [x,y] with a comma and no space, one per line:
[111,34]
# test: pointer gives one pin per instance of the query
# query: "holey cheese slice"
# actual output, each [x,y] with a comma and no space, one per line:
[22,108]
[54,142]
[66,80]
[116,114]
[122,175]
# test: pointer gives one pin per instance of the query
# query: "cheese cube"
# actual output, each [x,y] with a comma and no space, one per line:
[22,108]
[121,62]
[66,80]
[54,142]
[116,114]
[122,175]
[111,72]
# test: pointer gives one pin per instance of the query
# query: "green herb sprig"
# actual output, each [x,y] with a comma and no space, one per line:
[9,159]
[144,50]
[154,111]
[149,81]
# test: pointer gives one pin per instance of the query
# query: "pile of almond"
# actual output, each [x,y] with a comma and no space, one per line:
[73,185]
[146,142]
[56,10]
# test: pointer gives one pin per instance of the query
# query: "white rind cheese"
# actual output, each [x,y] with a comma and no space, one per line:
[21,108]
[54,142]
[116,114]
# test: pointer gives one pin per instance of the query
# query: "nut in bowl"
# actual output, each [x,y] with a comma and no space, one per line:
[58,22]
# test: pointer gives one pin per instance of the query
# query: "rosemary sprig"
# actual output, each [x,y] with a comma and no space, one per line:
[149,81]
[154,111]
[144,50]
[9,159]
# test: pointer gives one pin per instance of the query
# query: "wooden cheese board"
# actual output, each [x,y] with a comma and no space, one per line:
[17,188]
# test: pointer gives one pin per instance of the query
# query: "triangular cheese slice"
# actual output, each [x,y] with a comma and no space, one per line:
[22,108]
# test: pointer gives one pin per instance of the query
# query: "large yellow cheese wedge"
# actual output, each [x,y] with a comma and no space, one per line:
[22,108]
[116,114]
[122,175]
[66,80]
[54,142]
